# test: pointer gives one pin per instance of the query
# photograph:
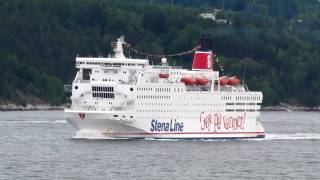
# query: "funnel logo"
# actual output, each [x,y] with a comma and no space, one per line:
[82,115]
[209,61]
[202,60]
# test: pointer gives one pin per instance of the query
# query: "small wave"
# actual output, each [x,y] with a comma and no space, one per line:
[59,121]
[185,139]
[296,136]
[27,121]
[161,139]
[91,135]
[33,121]
[214,140]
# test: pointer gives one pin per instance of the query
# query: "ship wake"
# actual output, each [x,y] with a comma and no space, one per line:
[296,136]
[87,134]
[35,121]
[93,135]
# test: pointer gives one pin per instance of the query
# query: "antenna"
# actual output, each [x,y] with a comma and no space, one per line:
[222,4]
[129,49]
[205,42]
[243,66]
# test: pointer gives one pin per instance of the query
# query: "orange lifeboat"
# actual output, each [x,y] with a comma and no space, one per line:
[188,80]
[183,79]
[201,81]
[224,80]
[233,81]
[163,75]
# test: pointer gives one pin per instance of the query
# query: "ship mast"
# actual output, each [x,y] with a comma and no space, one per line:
[118,50]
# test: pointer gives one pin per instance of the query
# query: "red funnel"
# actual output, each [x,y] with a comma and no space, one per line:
[202,60]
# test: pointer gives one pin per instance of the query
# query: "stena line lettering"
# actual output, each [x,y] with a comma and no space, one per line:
[216,122]
[172,126]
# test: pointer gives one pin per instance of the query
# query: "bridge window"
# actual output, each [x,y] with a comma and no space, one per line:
[105,89]
[103,95]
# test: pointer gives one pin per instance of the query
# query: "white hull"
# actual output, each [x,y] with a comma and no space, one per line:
[104,124]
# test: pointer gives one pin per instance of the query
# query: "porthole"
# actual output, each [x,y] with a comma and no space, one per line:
[131,89]
[76,87]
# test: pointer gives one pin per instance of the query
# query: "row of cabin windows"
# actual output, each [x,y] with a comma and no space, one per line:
[184,104]
[226,97]
[105,89]
[172,72]
[194,110]
[247,98]
[241,98]
[178,89]
[197,105]
[174,111]
[110,103]
[168,118]
[197,97]
[160,89]
[177,111]
[247,110]
[111,64]
[111,80]
[152,97]
[103,95]
[231,104]
[144,89]
[247,103]
[110,72]
[242,110]
[121,64]
[165,118]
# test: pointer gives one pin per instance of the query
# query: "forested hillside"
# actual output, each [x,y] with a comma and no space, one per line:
[273,45]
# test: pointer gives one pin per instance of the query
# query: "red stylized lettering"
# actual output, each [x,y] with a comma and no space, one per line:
[234,123]
[217,121]
[207,122]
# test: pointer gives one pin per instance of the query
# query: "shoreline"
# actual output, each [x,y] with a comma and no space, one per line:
[48,107]
[31,107]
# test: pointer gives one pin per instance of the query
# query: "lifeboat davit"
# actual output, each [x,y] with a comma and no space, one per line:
[163,75]
[188,80]
[224,80]
[201,81]
[233,81]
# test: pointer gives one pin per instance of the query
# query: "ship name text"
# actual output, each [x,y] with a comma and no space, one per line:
[172,126]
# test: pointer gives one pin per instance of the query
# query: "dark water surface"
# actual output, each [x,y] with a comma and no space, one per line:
[39,145]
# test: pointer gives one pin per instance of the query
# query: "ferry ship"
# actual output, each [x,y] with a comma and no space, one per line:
[119,97]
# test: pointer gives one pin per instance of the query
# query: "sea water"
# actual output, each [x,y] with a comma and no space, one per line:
[42,145]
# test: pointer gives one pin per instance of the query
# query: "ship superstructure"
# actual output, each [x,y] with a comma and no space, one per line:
[121,97]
